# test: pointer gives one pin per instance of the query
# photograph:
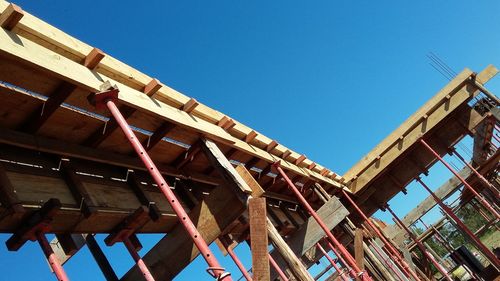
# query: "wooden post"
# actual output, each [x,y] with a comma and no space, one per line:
[258,235]
[359,253]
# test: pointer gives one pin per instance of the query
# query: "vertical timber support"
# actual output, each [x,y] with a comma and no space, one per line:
[359,253]
[258,235]
[106,99]
[296,267]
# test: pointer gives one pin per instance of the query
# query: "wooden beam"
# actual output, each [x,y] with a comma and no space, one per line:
[224,167]
[36,222]
[8,196]
[299,160]
[359,252]
[295,265]
[257,190]
[78,189]
[36,120]
[251,136]
[258,236]
[11,16]
[152,87]
[158,135]
[61,148]
[189,106]
[272,145]
[108,128]
[188,156]
[287,255]
[144,198]
[93,58]
[127,227]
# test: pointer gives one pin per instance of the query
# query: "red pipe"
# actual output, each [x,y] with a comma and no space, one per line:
[140,263]
[341,274]
[341,260]
[392,251]
[420,245]
[305,204]
[51,257]
[478,196]
[238,263]
[388,263]
[485,181]
[277,268]
[462,226]
[214,267]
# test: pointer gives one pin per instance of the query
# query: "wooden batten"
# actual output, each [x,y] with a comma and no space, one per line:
[286,154]
[93,58]
[251,136]
[271,145]
[189,106]
[301,159]
[11,16]
[152,87]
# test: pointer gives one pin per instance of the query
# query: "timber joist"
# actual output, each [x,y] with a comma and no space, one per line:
[41,47]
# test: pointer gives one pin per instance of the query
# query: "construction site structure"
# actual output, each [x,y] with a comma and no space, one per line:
[90,145]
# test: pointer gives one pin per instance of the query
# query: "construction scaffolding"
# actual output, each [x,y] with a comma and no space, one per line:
[89,145]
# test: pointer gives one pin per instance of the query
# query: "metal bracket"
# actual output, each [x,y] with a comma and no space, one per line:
[38,222]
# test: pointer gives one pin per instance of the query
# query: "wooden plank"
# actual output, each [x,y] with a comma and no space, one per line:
[287,255]
[258,236]
[257,190]
[359,252]
[221,164]
[8,196]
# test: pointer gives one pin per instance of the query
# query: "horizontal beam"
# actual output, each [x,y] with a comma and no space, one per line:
[48,145]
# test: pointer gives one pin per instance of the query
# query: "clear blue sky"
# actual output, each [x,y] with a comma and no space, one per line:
[328,78]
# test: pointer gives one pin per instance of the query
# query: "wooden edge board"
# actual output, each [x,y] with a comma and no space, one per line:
[76,50]
[416,118]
